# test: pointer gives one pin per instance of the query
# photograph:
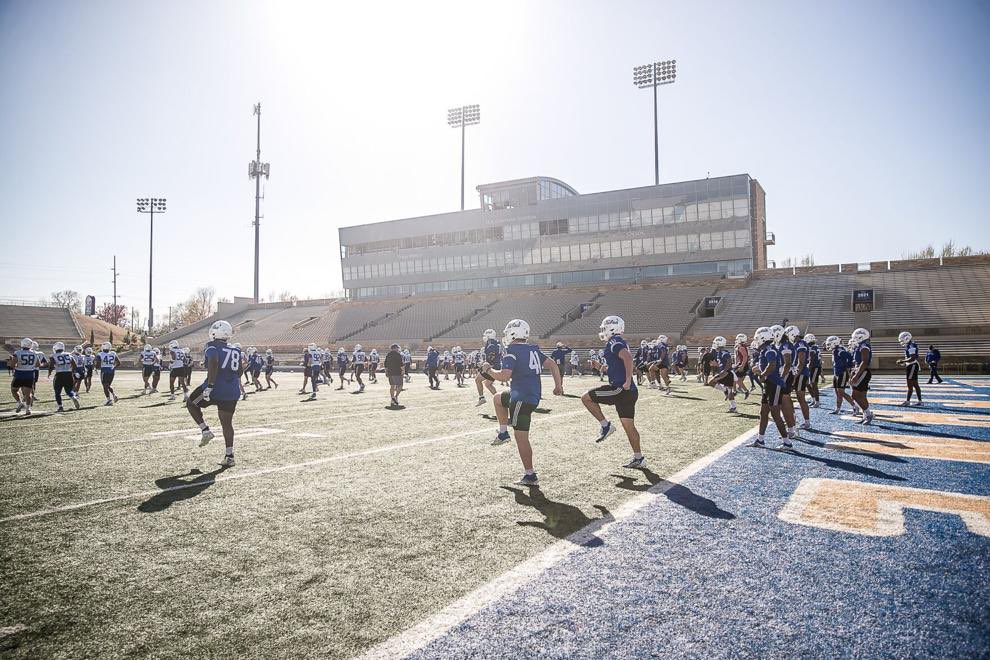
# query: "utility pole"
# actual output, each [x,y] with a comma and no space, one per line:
[116,316]
[151,205]
[257,169]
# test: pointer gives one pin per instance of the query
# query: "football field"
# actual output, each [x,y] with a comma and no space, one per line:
[342,525]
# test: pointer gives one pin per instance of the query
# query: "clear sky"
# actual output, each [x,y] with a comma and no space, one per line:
[866,123]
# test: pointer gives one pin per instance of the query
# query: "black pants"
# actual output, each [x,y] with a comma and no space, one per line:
[933,373]
[431,373]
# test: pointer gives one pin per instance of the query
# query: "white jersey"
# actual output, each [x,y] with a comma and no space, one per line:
[375,359]
[178,360]
[25,360]
[359,357]
[63,362]
[41,361]
[108,360]
[574,357]
[89,360]
[406,357]
[147,358]
[316,358]
[458,357]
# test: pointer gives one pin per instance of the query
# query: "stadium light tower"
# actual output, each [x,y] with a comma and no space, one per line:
[256,170]
[654,75]
[151,206]
[466,115]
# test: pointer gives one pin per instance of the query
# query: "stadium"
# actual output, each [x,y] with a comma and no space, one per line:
[601,420]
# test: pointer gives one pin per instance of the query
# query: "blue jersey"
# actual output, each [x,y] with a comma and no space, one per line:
[911,353]
[525,361]
[858,355]
[814,356]
[616,367]
[432,358]
[801,348]
[341,360]
[493,351]
[269,362]
[558,355]
[663,355]
[226,387]
[770,357]
[724,359]
[841,361]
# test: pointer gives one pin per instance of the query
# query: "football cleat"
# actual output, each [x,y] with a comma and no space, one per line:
[20,407]
[481,401]
[635,463]
[606,431]
[835,412]
[75,402]
[756,442]
[171,397]
[787,444]
[205,438]
[501,438]
[59,409]
[529,480]
[916,404]
[806,424]
[904,404]
[109,402]
[227,461]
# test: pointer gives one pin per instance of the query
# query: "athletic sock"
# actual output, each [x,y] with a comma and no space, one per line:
[637,455]
[203,426]
[530,471]
[229,451]
[503,428]
[604,423]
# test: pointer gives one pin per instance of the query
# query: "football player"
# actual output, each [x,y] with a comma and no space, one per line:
[89,367]
[800,371]
[269,369]
[432,364]
[725,378]
[373,362]
[257,363]
[814,369]
[24,360]
[492,355]
[64,366]
[521,366]
[911,366]
[222,388]
[342,362]
[359,357]
[621,390]
[773,384]
[575,364]
[242,371]
[861,373]
[156,370]
[785,350]
[407,363]
[187,364]
[312,366]
[661,364]
[147,360]
[42,361]
[841,364]
[107,362]
[740,365]
[560,352]
[458,356]
[177,371]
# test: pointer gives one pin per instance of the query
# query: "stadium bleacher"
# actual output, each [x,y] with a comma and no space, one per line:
[646,311]
[39,323]
[544,311]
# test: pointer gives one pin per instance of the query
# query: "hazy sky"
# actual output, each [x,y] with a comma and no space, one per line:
[864,121]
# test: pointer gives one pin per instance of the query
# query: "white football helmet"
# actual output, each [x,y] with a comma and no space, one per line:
[89,351]
[662,339]
[514,329]
[741,339]
[147,347]
[560,344]
[157,351]
[489,334]
[610,327]
[810,338]
[221,330]
[341,350]
[764,334]
[311,347]
[58,347]
[643,343]
[252,351]
[268,352]
[236,345]
[34,345]
[777,333]
[26,342]
[106,346]
[792,332]
[357,347]
[174,343]
[718,342]
[831,342]
[186,350]
[859,335]
[430,348]
[904,338]
[78,349]
[374,351]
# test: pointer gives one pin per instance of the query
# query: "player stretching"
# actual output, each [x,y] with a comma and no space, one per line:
[814,369]
[769,374]
[911,366]
[492,355]
[107,362]
[785,349]
[22,387]
[269,369]
[740,366]
[89,367]
[841,364]
[725,379]
[801,372]
[861,374]
[432,364]
[621,390]
[221,388]
[521,368]
[342,367]
[458,355]
[177,371]
[63,364]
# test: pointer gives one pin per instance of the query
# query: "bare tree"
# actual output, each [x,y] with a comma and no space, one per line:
[808,260]
[67,299]
[199,305]
[287,296]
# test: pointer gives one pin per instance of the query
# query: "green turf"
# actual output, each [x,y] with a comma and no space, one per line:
[319,560]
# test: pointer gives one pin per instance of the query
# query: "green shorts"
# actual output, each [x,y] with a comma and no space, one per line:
[520,412]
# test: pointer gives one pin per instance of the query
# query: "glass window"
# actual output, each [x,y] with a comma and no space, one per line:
[595,249]
[554,254]
[636,219]
[606,250]
[624,220]
[626,248]
[585,251]
[727,208]
[692,242]
[705,241]
[637,246]
[517,256]
[682,243]
[691,213]
[729,239]
[670,244]
[741,207]
[679,214]
[647,246]
[616,249]
[717,241]
[613,221]
[545,255]
[702,211]
[742,238]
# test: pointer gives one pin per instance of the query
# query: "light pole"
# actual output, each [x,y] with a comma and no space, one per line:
[151,206]
[466,115]
[654,75]
[257,169]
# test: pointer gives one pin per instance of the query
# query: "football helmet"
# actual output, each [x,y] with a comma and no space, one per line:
[236,345]
[186,350]
[741,339]
[718,342]
[610,327]
[220,330]
[58,347]
[311,347]
[859,335]
[158,351]
[514,329]
[832,342]
[106,346]
[174,343]
[904,338]
[489,334]
[78,349]
[792,332]
[26,342]
[341,351]
[147,348]
[643,342]
[560,344]
[34,345]
[89,351]
[662,339]
[252,351]
[776,333]
[268,352]
[357,347]
[810,338]
[430,348]
[764,334]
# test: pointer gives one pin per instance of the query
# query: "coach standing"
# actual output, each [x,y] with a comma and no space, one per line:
[393,371]
[558,355]
[932,358]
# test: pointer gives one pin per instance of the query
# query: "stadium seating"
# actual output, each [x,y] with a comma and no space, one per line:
[18,321]
[426,319]
[647,311]
[543,311]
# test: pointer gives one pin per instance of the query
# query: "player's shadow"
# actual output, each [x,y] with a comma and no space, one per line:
[398,407]
[681,396]
[157,405]
[675,492]
[848,467]
[178,488]
[934,434]
[561,520]
[746,415]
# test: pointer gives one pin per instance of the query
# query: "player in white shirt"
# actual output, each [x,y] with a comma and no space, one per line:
[24,360]
[89,367]
[64,366]
[177,371]
[147,360]
[107,362]
[359,359]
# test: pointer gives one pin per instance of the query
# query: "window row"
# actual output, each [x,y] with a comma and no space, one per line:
[581,252]
[585,224]
[627,274]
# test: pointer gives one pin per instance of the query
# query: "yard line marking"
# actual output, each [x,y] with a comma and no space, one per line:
[6,631]
[422,634]
[259,473]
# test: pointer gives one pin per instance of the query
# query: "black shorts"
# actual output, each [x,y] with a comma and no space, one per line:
[395,380]
[196,398]
[22,380]
[816,373]
[623,400]
[727,379]
[862,382]
[358,369]
[106,376]
[65,380]
[520,412]
[800,382]
[89,371]
[788,385]
[741,372]
[911,371]
[841,382]
[79,374]
[771,394]
[36,374]
[147,371]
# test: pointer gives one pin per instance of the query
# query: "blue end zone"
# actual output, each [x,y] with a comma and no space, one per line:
[710,569]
